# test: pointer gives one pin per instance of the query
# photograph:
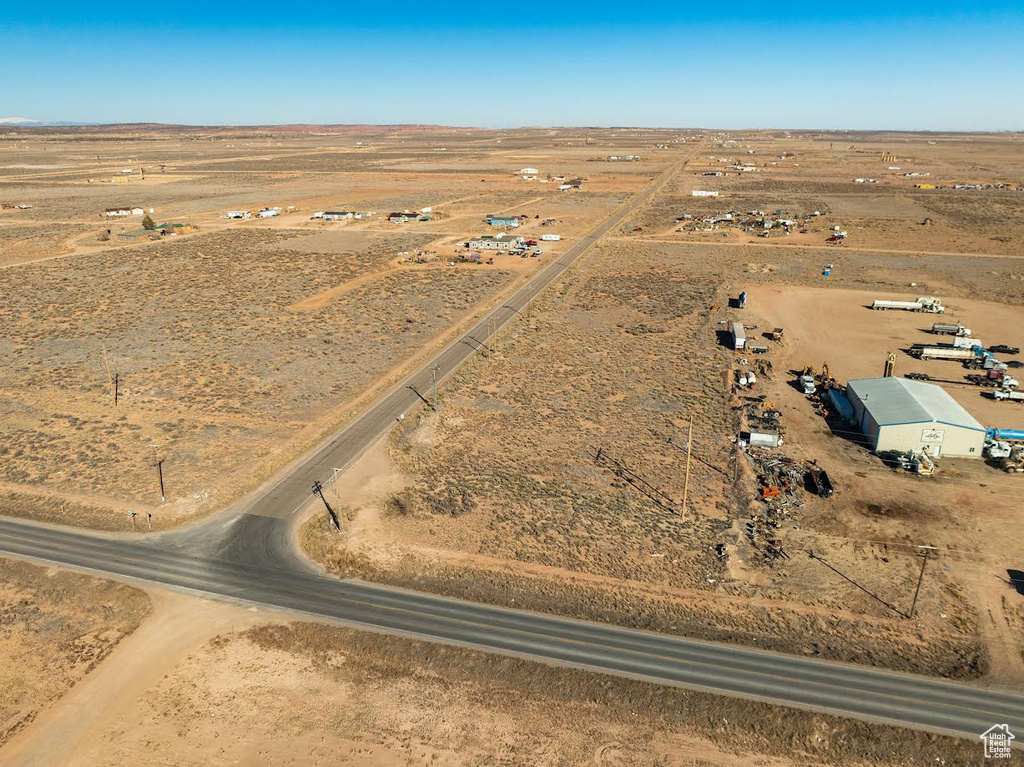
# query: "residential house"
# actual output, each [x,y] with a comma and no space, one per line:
[495,242]
[129,210]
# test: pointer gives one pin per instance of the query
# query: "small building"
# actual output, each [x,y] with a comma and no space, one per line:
[337,215]
[901,414]
[703,193]
[495,242]
[268,212]
[238,214]
[402,218]
[130,210]
[528,171]
[503,220]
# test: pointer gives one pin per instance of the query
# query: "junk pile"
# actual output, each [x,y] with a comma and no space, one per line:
[781,480]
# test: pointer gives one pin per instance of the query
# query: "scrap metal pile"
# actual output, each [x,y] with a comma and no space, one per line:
[780,481]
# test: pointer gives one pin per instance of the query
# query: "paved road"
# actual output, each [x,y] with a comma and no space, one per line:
[896,698]
[248,554]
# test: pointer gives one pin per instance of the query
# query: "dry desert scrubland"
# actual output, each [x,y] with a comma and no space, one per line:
[552,476]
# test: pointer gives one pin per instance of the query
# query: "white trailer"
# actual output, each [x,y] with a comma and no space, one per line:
[551,237]
[964,342]
[944,353]
[923,304]
[739,338]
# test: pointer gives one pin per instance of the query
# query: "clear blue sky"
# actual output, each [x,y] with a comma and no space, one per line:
[902,65]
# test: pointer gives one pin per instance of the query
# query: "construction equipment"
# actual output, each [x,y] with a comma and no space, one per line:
[777,334]
[890,365]
[927,304]
[996,448]
[807,384]
[1014,462]
[921,463]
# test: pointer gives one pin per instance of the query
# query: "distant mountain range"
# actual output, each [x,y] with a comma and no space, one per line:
[24,122]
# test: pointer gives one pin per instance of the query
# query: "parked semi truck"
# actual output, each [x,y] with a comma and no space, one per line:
[928,304]
[996,377]
[1012,396]
[950,329]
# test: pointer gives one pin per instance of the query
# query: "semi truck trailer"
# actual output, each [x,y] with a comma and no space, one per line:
[928,304]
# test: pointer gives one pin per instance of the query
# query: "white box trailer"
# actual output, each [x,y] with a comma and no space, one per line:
[922,304]
[945,353]
[703,193]
[551,237]
[739,338]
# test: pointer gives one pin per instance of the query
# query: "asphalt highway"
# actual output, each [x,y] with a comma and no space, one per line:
[872,694]
[248,554]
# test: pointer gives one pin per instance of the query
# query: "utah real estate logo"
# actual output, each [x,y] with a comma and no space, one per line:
[997,740]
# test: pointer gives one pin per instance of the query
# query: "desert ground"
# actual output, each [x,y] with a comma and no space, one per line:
[554,475]
[202,683]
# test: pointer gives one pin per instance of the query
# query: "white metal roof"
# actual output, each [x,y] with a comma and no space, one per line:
[894,401]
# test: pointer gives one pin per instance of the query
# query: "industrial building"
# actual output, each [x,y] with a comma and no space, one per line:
[900,414]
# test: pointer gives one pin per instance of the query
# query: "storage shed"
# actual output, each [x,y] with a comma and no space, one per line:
[900,414]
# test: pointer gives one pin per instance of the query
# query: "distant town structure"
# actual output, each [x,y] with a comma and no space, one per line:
[127,210]
[495,242]
[505,220]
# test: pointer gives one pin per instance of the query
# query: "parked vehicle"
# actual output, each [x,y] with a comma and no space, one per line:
[950,329]
[1012,396]
[928,304]
[1004,349]
[995,378]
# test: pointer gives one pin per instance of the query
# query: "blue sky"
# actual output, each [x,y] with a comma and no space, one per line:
[874,65]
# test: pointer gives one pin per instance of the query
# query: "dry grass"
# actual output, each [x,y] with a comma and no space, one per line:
[55,627]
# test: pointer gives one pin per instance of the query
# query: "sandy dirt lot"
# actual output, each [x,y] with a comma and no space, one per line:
[55,628]
[315,695]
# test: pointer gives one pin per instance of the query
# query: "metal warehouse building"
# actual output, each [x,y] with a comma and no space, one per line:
[900,414]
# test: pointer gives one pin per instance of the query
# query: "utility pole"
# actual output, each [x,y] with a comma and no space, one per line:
[433,383]
[149,519]
[132,515]
[159,463]
[318,489]
[689,451]
[160,472]
[927,553]
[117,380]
